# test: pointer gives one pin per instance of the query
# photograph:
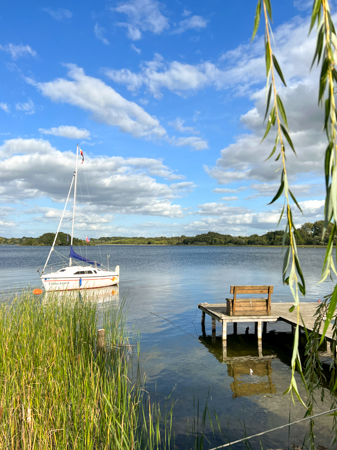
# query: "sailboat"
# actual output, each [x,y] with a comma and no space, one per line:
[77,277]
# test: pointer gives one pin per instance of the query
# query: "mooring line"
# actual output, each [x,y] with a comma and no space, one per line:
[273,429]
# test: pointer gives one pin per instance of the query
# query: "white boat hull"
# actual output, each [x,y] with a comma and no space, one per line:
[65,282]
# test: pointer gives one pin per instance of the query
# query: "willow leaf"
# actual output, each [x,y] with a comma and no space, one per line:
[295,201]
[278,70]
[286,262]
[271,154]
[268,102]
[299,271]
[278,194]
[268,6]
[330,313]
[282,110]
[281,215]
[319,46]
[314,15]
[290,142]
[269,124]
[333,195]
[267,56]
[257,19]
[327,163]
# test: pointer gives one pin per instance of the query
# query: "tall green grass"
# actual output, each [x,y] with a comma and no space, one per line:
[57,391]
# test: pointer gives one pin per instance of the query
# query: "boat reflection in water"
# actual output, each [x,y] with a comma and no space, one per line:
[104,295]
[251,371]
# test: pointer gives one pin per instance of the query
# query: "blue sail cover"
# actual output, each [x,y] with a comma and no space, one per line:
[73,254]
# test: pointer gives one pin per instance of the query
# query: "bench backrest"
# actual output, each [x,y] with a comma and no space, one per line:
[251,289]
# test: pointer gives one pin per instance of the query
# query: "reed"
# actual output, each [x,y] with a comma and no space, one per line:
[57,391]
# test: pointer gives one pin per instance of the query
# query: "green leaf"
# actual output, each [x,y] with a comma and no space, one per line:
[269,124]
[319,46]
[291,309]
[278,69]
[290,142]
[281,215]
[295,201]
[279,192]
[271,154]
[299,271]
[302,289]
[268,6]
[330,313]
[257,19]
[286,260]
[323,79]
[268,101]
[315,10]
[267,56]
[282,110]
[327,163]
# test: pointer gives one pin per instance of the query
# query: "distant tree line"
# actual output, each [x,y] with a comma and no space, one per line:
[308,234]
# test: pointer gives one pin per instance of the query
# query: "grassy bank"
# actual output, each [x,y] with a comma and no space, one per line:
[57,391]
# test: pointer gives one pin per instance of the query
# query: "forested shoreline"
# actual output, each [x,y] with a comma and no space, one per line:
[308,234]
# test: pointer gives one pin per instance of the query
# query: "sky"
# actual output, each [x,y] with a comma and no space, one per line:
[166,100]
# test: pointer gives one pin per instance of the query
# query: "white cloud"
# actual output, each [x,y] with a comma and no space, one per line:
[33,169]
[17,51]
[27,108]
[99,33]
[229,199]
[59,13]
[192,23]
[193,141]
[136,49]
[143,15]
[4,107]
[67,131]
[228,191]
[178,124]
[103,102]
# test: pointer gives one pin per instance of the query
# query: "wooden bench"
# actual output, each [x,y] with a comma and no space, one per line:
[249,306]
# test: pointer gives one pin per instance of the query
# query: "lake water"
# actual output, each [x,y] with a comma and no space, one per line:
[162,287]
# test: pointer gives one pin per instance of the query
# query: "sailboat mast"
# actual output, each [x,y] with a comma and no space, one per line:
[74,207]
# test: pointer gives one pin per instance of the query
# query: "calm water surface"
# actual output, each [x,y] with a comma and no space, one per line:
[163,286]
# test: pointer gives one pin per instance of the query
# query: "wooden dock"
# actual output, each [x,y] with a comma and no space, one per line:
[279,311]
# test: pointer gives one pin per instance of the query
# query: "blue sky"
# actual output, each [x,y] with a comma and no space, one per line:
[167,102]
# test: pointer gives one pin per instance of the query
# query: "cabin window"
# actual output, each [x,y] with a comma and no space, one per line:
[79,273]
[95,271]
[62,270]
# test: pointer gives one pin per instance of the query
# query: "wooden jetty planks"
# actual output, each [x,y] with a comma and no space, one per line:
[218,311]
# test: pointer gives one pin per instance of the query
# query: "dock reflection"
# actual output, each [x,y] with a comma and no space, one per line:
[250,370]
[108,294]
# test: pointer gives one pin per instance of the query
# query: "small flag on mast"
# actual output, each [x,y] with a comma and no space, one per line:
[82,156]
[87,239]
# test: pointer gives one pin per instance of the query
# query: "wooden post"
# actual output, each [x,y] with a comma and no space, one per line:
[224,331]
[259,330]
[100,340]
[213,329]
[234,301]
[235,328]
[259,345]
[224,350]
[203,330]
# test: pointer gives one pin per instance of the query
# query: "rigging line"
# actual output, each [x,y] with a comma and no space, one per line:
[167,320]
[274,429]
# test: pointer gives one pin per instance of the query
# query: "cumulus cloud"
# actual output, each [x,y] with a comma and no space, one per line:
[142,16]
[178,124]
[33,169]
[136,49]
[192,23]
[229,199]
[192,141]
[17,51]
[4,107]
[228,191]
[240,69]
[99,33]
[67,131]
[59,13]
[102,101]
[27,107]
